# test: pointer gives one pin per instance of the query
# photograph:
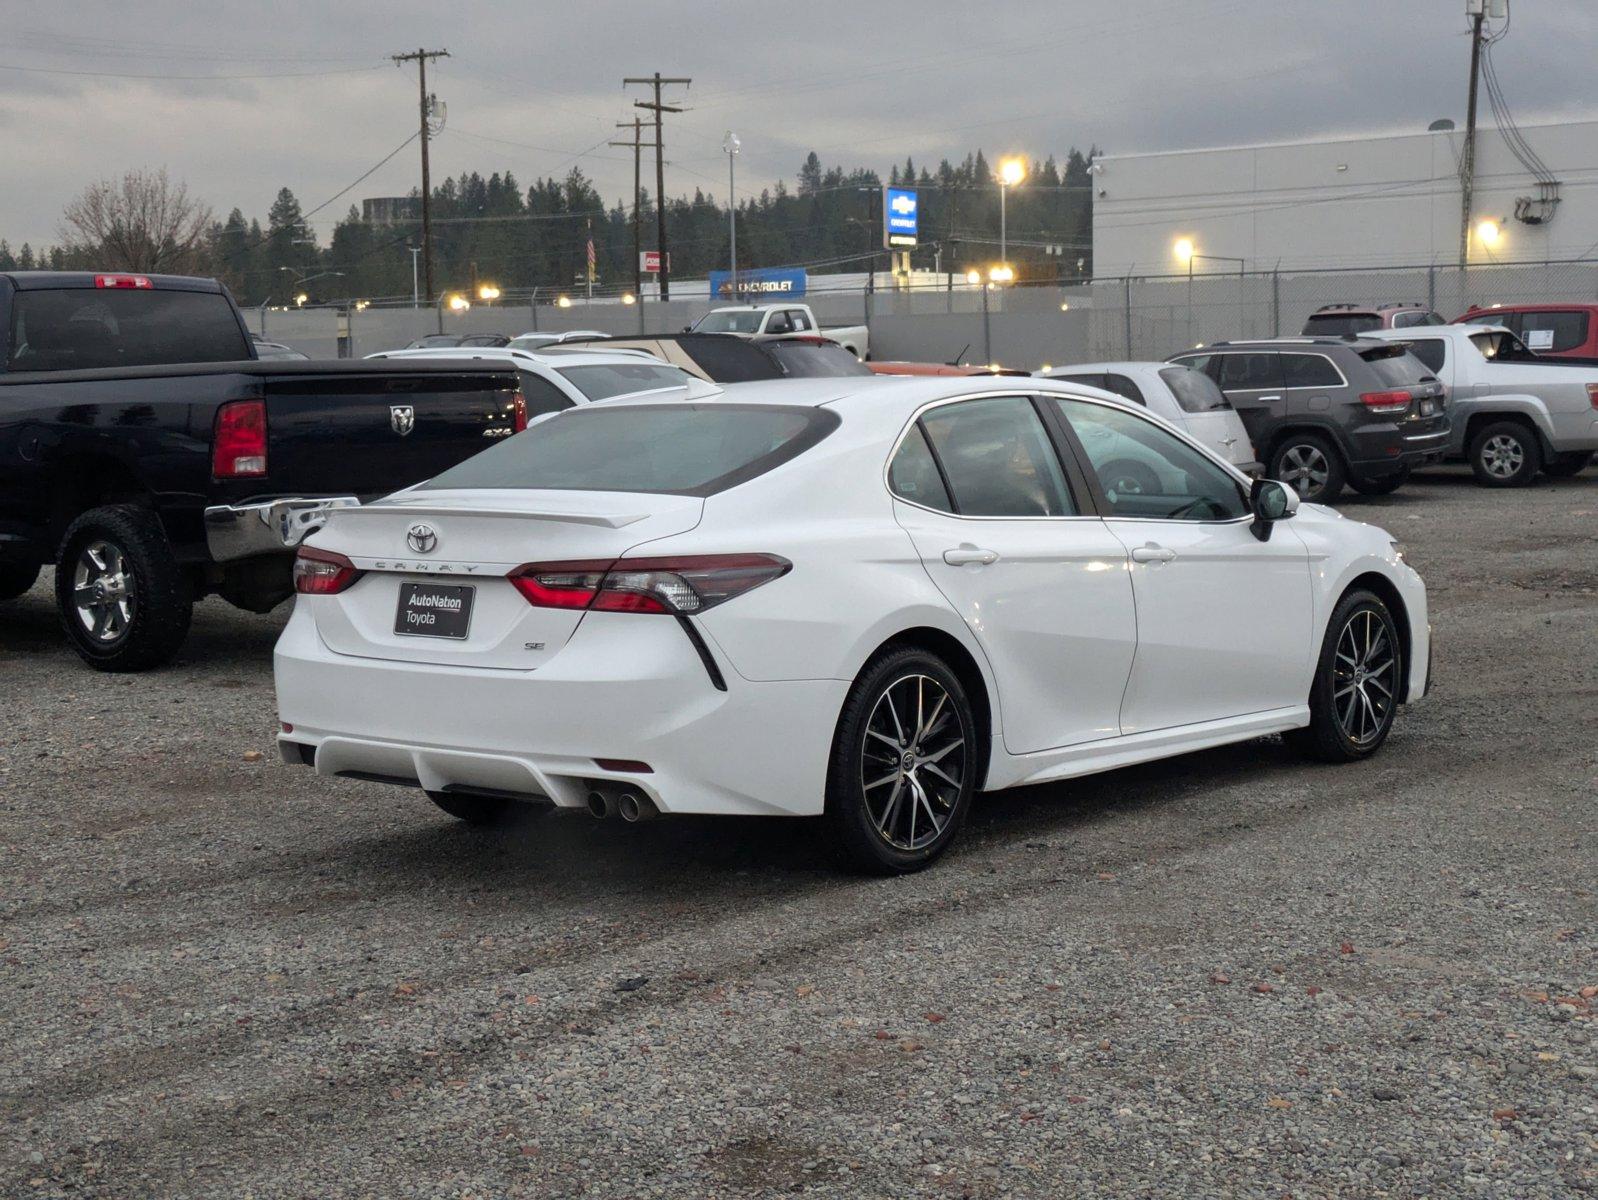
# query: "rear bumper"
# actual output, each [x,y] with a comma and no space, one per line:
[624,687]
[267,526]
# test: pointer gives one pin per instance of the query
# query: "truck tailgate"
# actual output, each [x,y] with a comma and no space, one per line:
[372,433]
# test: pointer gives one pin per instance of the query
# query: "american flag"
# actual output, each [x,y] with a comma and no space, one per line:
[591,259]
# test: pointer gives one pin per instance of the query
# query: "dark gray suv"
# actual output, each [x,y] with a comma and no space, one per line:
[1325,411]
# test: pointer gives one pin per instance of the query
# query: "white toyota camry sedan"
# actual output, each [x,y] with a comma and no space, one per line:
[865,598]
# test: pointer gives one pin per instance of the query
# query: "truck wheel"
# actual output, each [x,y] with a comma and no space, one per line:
[1563,466]
[124,599]
[1505,454]
[1310,465]
[17,579]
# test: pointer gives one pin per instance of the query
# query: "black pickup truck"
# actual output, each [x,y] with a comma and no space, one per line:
[147,453]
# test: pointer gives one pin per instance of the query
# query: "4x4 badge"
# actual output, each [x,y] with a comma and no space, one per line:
[402,417]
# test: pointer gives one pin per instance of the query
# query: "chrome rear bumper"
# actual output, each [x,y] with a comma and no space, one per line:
[268,526]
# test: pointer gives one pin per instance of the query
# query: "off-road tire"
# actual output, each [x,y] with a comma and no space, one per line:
[162,599]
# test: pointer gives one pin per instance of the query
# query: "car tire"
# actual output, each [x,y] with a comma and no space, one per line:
[1362,657]
[1310,465]
[1505,454]
[17,579]
[1563,466]
[492,812]
[905,760]
[123,597]
[1127,478]
[1385,486]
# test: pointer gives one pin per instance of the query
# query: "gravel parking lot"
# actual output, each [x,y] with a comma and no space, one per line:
[1233,973]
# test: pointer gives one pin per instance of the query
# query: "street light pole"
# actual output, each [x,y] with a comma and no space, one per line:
[416,293]
[731,145]
[1004,239]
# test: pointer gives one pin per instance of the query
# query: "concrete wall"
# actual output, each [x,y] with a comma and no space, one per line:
[1386,200]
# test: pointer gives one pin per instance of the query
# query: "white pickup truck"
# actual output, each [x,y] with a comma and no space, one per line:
[1512,412]
[783,321]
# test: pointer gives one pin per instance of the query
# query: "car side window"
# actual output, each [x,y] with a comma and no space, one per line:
[913,474]
[779,323]
[998,459]
[1553,331]
[542,396]
[1249,371]
[800,322]
[1431,351]
[1148,472]
[1309,371]
[1123,385]
[1086,378]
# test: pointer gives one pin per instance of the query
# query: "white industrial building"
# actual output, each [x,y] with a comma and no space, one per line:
[1377,200]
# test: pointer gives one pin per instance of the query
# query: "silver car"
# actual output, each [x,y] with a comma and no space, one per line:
[1186,398]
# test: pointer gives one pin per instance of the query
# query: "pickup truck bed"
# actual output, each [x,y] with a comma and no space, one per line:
[202,477]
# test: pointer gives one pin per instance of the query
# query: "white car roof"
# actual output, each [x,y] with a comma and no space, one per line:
[1144,369]
[515,355]
[1414,331]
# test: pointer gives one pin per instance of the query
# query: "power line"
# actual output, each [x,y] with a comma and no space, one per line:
[421,58]
[229,78]
[658,108]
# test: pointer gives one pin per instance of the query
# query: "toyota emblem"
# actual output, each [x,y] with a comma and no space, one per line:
[402,418]
[421,538]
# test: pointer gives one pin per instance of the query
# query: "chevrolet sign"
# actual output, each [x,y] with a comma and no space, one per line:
[900,222]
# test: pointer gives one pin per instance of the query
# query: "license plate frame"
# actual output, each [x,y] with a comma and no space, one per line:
[438,617]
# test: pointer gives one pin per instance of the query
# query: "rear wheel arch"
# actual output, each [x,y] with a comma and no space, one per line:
[1302,428]
[86,481]
[965,667]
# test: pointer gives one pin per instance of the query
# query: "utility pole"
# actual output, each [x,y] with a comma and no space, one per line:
[657,107]
[1467,159]
[638,144]
[420,58]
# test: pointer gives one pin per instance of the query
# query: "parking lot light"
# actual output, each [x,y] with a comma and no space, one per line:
[1184,250]
[488,291]
[1001,273]
[973,276]
[629,298]
[1488,233]
[299,300]
[458,302]
[1065,306]
[564,302]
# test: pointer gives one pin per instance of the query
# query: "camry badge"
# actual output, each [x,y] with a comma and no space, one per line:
[421,538]
[402,417]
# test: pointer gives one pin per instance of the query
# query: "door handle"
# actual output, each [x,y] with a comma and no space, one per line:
[970,554]
[1152,554]
[1268,399]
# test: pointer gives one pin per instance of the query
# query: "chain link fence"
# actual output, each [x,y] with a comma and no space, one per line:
[1141,317]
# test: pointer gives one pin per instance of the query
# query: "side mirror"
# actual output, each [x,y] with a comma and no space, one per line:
[1271,501]
[687,328]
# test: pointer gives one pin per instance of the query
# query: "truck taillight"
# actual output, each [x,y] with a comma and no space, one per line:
[675,585]
[1592,394]
[322,572]
[122,281]
[519,412]
[1386,401]
[239,448]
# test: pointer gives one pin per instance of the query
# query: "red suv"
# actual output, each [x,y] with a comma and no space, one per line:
[1552,330]
[1335,320]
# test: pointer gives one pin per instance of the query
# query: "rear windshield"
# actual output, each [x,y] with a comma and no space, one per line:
[1395,366]
[77,329]
[730,359]
[604,380]
[1194,391]
[683,449]
[1337,324]
[1500,346]
[813,360]
[743,320]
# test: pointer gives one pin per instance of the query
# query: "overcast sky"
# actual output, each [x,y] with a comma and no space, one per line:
[301,94]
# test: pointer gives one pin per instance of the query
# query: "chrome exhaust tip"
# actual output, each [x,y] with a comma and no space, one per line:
[633,807]
[601,805]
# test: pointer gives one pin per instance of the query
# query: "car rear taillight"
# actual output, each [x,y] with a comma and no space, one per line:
[322,572]
[518,412]
[1592,394]
[239,447]
[1385,401]
[675,585]
[122,281]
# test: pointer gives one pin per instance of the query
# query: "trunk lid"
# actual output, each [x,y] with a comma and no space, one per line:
[366,432]
[477,537]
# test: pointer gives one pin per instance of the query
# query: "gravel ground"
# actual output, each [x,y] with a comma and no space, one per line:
[1227,974]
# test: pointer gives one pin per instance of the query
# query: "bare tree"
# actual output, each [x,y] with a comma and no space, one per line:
[144,222]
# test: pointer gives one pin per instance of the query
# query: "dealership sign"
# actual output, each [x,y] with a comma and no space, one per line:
[649,261]
[900,218]
[778,282]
